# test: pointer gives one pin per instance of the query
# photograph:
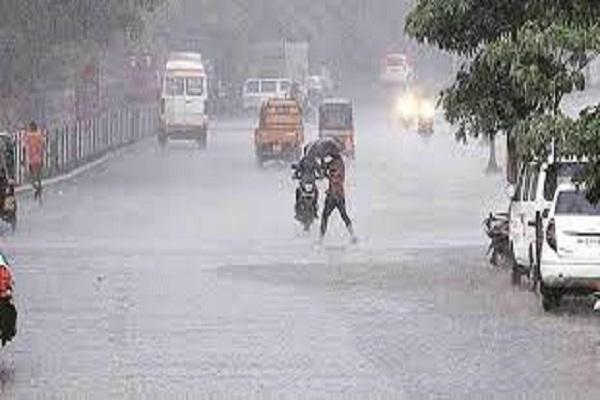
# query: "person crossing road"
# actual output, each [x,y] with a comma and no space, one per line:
[335,171]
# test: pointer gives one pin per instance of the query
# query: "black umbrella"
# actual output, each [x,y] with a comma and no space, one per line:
[323,147]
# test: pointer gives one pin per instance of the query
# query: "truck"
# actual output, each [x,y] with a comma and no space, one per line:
[279,60]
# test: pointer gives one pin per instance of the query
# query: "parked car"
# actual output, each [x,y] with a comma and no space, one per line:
[570,262]
[257,91]
[534,193]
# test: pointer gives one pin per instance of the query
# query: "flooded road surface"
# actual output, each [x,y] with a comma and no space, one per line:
[175,272]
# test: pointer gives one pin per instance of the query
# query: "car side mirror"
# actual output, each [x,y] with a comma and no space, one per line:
[546,213]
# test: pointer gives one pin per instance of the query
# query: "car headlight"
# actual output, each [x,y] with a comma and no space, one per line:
[427,109]
[407,106]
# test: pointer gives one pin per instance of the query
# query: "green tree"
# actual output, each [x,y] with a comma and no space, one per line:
[523,57]
[40,31]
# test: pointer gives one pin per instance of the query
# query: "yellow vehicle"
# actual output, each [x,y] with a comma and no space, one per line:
[280,133]
[337,122]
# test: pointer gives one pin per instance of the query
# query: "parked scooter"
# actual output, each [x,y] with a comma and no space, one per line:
[307,193]
[496,228]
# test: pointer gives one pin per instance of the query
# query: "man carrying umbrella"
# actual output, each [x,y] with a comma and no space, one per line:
[335,171]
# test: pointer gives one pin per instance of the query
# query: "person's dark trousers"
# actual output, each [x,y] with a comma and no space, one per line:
[8,321]
[332,203]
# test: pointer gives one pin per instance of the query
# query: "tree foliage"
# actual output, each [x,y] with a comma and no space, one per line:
[523,57]
[34,32]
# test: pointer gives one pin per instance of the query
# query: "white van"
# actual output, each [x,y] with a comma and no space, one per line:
[570,262]
[528,212]
[258,91]
[183,100]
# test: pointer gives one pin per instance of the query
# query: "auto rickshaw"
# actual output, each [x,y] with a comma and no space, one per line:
[8,200]
[336,122]
[280,133]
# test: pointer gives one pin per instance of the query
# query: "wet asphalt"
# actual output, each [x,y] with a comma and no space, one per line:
[167,273]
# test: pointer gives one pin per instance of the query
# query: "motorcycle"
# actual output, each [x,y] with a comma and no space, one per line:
[307,194]
[496,228]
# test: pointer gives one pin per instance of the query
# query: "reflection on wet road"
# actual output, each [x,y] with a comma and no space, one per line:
[183,272]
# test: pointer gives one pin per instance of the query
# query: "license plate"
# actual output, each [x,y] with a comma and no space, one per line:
[277,148]
[589,241]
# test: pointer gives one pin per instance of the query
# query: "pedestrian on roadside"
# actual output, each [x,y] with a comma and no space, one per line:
[35,144]
[8,312]
[335,171]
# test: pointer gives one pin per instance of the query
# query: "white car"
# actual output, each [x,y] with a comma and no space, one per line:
[534,192]
[570,261]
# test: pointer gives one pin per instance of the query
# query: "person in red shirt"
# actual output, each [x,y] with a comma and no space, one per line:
[6,280]
[34,155]
[335,171]
[8,312]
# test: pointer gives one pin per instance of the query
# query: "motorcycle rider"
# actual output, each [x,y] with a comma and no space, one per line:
[335,171]
[8,313]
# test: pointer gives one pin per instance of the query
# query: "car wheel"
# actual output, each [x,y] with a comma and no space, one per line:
[515,276]
[13,223]
[534,276]
[550,302]
[515,273]
[550,298]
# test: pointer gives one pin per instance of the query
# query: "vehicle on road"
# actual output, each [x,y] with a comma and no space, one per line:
[336,121]
[396,70]
[8,199]
[570,259]
[533,194]
[259,91]
[183,100]
[280,132]
[307,192]
[414,109]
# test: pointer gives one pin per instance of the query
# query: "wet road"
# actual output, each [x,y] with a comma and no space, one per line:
[179,272]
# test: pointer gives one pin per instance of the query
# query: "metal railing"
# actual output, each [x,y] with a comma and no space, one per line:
[72,146]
